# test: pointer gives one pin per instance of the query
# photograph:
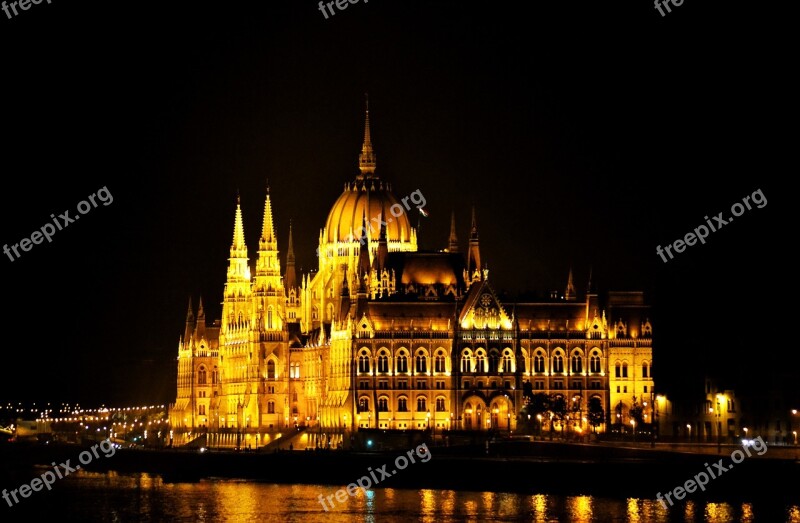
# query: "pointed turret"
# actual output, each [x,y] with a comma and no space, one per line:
[189,323]
[452,244]
[363,252]
[569,294]
[268,270]
[379,263]
[290,279]
[200,328]
[238,271]
[474,268]
[366,160]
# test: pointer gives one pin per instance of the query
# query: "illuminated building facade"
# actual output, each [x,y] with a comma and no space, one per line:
[384,336]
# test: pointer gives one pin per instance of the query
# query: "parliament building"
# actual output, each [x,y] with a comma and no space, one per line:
[385,336]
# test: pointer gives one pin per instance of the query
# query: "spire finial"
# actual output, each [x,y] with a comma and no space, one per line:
[366,160]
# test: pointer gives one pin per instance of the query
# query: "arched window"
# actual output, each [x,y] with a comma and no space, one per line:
[558,363]
[618,370]
[269,318]
[422,363]
[214,376]
[363,405]
[625,369]
[538,363]
[440,404]
[201,376]
[422,404]
[480,362]
[438,362]
[383,362]
[507,362]
[270,370]
[383,404]
[363,363]
[645,370]
[466,362]
[402,404]
[402,363]
[493,360]
[270,407]
[594,363]
[201,410]
[577,364]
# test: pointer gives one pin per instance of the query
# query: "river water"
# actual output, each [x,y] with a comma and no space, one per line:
[113,497]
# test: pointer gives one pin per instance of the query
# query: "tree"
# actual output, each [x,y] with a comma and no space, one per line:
[596,414]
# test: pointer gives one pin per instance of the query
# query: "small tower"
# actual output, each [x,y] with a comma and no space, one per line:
[452,244]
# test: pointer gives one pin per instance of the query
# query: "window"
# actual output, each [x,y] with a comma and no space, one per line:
[618,370]
[201,410]
[440,404]
[480,365]
[594,385]
[402,405]
[214,376]
[294,396]
[383,362]
[402,363]
[270,407]
[269,318]
[559,385]
[493,359]
[294,370]
[270,370]
[466,384]
[507,384]
[617,389]
[402,384]
[363,363]
[492,384]
[422,363]
[201,394]
[364,384]
[438,362]
[422,404]
[645,389]
[440,385]
[577,364]
[480,384]
[363,405]
[645,370]
[507,362]
[383,384]
[558,363]
[383,404]
[201,376]
[594,364]
[625,389]
[625,370]
[538,363]
[538,385]
[422,384]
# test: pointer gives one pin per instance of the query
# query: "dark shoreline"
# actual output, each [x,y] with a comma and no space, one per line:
[544,468]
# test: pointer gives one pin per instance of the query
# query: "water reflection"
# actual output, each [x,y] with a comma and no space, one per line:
[142,497]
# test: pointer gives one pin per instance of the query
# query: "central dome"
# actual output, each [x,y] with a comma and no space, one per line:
[367,199]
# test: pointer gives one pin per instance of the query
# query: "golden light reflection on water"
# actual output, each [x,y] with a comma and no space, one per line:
[146,497]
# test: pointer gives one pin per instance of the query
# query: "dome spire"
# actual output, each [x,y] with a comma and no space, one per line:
[366,160]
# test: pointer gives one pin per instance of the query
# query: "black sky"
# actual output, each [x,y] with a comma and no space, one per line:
[585,135]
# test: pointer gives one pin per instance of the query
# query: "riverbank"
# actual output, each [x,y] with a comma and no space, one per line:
[558,468]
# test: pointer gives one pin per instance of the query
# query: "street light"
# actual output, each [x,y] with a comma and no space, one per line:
[633,423]
[509,422]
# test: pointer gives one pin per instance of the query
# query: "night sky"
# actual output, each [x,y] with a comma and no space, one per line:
[585,135]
